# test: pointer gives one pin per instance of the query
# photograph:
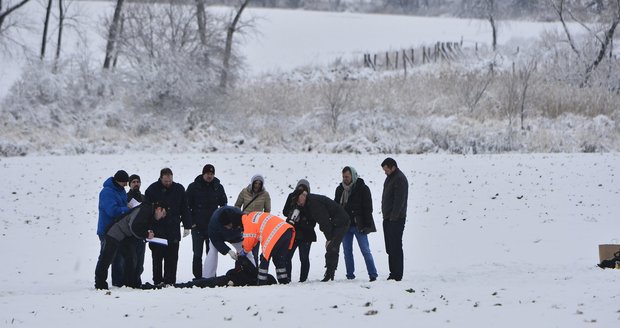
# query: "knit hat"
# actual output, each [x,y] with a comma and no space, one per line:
[257,177]
[134,177]
[305,183]
[121,176]
[208,169]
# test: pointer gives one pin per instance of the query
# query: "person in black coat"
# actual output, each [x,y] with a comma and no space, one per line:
[333,221]
[166,190]
[354,195]
[304,232]
[205,195]
[134,245]
[243,274]
[394,208]
[138,223]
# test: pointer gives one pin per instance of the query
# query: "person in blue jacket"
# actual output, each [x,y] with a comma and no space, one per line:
[113,204]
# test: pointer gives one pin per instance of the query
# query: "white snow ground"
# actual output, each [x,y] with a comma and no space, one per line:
[490,241]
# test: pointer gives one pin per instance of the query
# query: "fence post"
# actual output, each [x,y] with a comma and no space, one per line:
[405,62]
[396,60]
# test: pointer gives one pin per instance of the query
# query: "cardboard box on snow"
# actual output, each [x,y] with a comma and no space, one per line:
[606,251]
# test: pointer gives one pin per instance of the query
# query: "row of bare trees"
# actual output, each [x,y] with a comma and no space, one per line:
[183,37]
[185,28]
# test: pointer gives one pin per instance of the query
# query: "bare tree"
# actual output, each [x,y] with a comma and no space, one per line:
[112,34]
[336,95]
[61,24]
[163,55]
[525,76]
[604,43]
[611,13]
[5,12]
[201,18]
[474,87]
[484,9]
[514,91]
[230,30]
[48,11]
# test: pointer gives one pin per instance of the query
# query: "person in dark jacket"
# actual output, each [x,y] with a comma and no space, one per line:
[112,204]
[205,195]
[333,221]
[138,223]
[354,195]
[394,208]
[304,232]
[134,188]
[222,231]
[136,246]
[243,274]
[165,258]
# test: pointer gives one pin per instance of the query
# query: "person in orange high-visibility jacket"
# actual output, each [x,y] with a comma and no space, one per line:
[276,239]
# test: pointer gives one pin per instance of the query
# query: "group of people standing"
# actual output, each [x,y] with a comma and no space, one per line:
[128,219]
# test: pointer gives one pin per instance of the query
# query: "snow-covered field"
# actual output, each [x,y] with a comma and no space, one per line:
[490,241]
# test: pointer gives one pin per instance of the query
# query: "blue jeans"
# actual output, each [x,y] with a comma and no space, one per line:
[347,246]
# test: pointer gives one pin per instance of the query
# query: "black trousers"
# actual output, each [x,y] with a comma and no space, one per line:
[393,235]
[280,256]
[200,243]
[109,250]
[165,259]
[332,251]
[304,259]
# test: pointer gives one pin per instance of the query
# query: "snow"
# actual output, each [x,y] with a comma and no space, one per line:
[280,41]
[490,241]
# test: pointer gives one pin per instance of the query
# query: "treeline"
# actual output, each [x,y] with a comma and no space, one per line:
[503,9]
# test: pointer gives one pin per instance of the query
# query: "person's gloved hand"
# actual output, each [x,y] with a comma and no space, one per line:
[186,232]
[242,253]
[232,254]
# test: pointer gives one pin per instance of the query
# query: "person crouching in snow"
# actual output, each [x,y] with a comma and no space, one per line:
[276,238]
[138,223]
[224,227]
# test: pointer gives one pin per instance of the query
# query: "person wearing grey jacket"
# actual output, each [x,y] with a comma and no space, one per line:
[394,209]
[138,223]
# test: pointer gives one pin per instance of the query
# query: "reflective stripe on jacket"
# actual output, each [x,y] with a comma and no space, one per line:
[264,228]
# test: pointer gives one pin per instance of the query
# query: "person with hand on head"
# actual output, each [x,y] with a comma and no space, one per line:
[333,221]
[394,208]
[224,227]
[138,223]
[354,195]
[113,204]
[205,195]
[304,231]
[165,258]
[275,236]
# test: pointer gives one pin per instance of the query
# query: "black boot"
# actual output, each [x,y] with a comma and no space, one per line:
[329,275]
